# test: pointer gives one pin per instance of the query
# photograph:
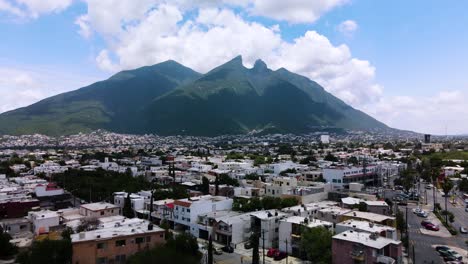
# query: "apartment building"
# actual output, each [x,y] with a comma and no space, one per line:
[186,211]
[290,230]
[115,243]
[267,223]
[352,247]
[341,176]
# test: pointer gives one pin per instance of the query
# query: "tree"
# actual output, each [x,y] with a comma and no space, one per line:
[288,202]
[58,252]
[463,185]
[331,157]
[447,186]
[400,220]
[205,186]
[127,210]
[7,250]
[210,251]
[353,160]
[316,244]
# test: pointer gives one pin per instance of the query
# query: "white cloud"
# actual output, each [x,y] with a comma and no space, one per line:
[215,35]
[20,86]
[33,8]
[425,114]
[85,29]
[294,11]
[7,7]
[347,27]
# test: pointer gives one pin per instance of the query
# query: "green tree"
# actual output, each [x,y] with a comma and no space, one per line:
[331,157]
[289,202]
[447,186]
[316,243]
[127,210]
[205,186]
[47,252]
[7,250]
[400,221]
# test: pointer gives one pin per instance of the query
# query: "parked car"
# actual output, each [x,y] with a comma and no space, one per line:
[450,258]
[432,227]
[426,222]
[417,210]
[429,186]
[217,251]
[442,248]
[248,245]
[455,254]
[280,255]
[227,249]
[463,230]
[271,252]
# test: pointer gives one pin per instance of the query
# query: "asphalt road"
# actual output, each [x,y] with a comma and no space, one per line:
[423,250]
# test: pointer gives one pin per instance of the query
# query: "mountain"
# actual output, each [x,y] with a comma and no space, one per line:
[113,104]
[232,99]
[169,98]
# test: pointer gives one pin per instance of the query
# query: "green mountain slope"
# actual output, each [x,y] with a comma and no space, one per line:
[113,104]
[232,99]
[169,99]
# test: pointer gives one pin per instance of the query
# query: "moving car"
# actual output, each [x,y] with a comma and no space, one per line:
[455,254]
[227,249]
[422,214]
[463,230]
[429,186]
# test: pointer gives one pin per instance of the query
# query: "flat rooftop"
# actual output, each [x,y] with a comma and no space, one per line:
[364,239]
[369,216]
[366,226]
[129,227]
[98,206]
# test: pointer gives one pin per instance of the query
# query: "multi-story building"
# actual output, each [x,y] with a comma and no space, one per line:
[365,226]
[352,247]
[290,230]
[115,243]
[280,186]
[341,176]
[267,223]
[186,211]
[43,220]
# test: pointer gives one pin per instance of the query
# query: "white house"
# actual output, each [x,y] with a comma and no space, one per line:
[43,220]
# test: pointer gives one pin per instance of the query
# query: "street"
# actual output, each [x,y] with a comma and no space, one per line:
[423,243]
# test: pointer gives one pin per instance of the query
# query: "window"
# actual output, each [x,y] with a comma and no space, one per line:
[139,240]
[102,212]
[120,243]
[101,261]
[148,239]
[188,210]
[120,258]
[101,245]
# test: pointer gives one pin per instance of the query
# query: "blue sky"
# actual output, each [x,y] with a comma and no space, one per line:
[402,62]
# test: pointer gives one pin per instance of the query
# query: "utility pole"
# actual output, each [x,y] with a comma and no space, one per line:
[407,223]
[263,239]
[286,251]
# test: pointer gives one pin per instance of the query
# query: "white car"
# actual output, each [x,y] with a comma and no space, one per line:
[417,210]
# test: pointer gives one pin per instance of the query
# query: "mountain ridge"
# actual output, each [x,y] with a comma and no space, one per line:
[169,98]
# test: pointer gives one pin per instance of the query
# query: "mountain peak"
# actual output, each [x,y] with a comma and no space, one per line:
[260,66]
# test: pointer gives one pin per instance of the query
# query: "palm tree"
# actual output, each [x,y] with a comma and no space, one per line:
[434,175]
[447,185]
